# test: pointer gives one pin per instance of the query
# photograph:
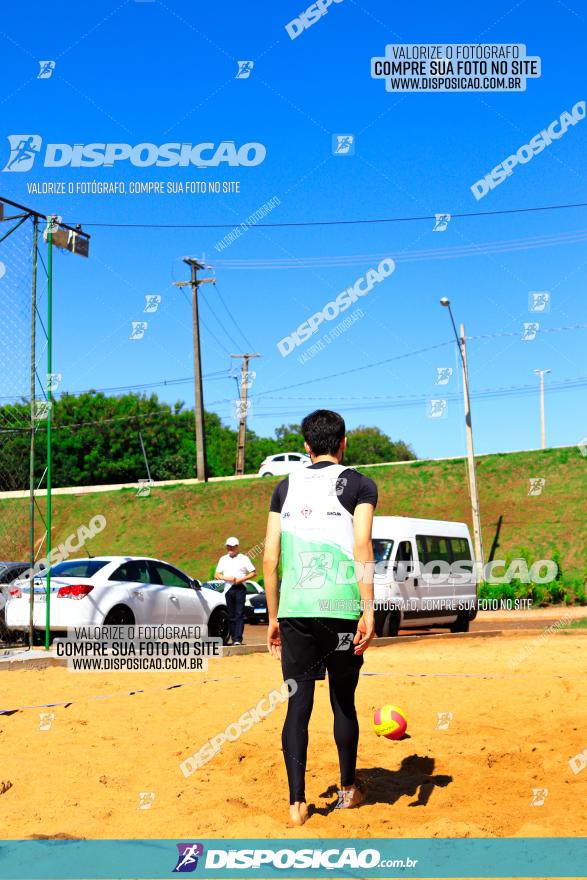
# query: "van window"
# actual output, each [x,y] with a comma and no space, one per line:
[404,561]
[382,549]
[461,550]
[432,548]
[421,545]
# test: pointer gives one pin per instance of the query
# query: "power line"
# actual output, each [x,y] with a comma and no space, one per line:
[211,377]
[417,400]
[390,403]
[231,316]
[500,391]
[334,222]
[206,327]
[219,374]
[221,324]
[473,249]
[357,369]
[411,354]
[226,374]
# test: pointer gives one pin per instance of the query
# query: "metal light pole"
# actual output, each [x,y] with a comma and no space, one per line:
[77,242]
[542,374]
[50,226]
[476,514]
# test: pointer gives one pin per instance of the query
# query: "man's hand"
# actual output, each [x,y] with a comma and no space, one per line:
[274,639]
[365,632]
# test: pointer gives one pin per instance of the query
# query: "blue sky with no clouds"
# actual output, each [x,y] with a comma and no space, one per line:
[165,72]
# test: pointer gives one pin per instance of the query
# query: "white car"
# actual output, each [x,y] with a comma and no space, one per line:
[255,599]
[283,463]
[121,590]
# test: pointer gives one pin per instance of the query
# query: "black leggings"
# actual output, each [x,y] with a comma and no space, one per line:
[294,738]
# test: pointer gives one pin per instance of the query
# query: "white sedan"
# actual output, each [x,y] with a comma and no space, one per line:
[283,463]
[121,590]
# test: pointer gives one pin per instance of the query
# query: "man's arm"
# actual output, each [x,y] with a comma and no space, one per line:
[219,574]
[270,570]
[364,567]
[247,577]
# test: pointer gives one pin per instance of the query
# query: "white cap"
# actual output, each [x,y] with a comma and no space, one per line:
[232,542]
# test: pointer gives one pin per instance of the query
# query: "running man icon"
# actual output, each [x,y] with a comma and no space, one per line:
[46,69]
[23,150]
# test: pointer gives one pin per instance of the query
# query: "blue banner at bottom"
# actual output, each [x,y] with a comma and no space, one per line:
[293,858]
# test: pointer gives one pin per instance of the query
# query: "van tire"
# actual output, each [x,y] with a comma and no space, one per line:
[390,625]
[461,624]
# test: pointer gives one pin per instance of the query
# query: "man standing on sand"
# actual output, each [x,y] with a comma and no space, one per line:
[235,568]
[320,524]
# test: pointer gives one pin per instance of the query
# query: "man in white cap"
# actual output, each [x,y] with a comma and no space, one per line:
[235,568]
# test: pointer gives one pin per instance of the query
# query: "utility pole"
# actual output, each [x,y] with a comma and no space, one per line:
[194,283]
[242,424]
[542,374]
[471,453]
[475,512]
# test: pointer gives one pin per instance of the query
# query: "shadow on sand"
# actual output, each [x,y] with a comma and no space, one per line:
[414,778]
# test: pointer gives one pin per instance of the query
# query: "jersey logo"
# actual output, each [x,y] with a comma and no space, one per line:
[314,571]
[338,485]
[306,512]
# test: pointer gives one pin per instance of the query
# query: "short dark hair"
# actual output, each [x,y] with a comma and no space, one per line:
[323,431]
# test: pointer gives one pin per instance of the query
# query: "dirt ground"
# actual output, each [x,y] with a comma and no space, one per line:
[518,715]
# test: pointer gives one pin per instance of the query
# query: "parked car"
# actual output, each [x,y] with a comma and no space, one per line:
[9,572]
[255,600]
[283,463]
[120,590]
[409,590]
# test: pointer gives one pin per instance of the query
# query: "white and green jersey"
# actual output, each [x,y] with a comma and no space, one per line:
[317,544]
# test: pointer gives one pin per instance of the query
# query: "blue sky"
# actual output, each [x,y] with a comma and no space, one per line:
[165,71]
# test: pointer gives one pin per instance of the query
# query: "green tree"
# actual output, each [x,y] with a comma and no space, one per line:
[372,446]
[96,440]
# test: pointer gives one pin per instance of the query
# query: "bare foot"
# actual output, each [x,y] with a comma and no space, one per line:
[298,812]
[350,796]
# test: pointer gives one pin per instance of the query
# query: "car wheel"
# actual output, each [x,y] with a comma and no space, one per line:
[266,474]
[120,615]
[461,624]
[218,626]
[390,625]
[5,634]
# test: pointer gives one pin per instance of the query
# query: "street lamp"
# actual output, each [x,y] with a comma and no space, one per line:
[476,515]
[542,374]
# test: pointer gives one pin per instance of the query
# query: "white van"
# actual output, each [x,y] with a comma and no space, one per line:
[424,575]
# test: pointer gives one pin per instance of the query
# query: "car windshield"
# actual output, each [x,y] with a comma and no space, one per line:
[83,568]
[215,585]
[382,549]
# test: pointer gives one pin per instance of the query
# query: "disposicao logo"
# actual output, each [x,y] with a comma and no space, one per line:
[187,858]
[341,303]
[24,149]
